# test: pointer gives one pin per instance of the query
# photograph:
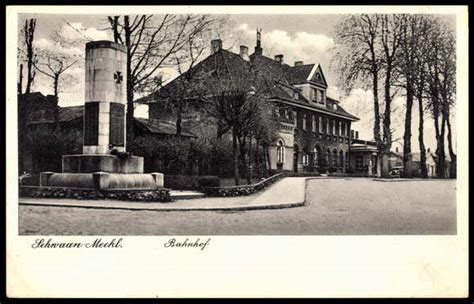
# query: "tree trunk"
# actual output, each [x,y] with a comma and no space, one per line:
[235,157]
[257,158]
[179,117]
[424,171]
[407,134]
[375,90]
[243,157]
[387,135]
[20,81]
[249,162]
[452,155]
[56,86]
[30,26]
[130,106]
[267,155]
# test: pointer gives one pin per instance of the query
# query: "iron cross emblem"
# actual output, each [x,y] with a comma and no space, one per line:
[118,77]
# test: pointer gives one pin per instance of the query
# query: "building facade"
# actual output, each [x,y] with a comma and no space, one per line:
[314,132]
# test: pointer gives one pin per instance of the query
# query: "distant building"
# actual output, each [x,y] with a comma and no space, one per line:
[40,118]
[314,132]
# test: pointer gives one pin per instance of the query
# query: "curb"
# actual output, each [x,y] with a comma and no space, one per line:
[298,203]
[160,209]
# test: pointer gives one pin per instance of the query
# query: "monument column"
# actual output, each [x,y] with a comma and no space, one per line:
[104,130]
[105,97]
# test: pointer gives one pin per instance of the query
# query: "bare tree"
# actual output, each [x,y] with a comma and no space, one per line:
[29,35]
[53,62]
[236,96]
[390,37]
[441,89]
[422,53]
[152,42]
[360,58]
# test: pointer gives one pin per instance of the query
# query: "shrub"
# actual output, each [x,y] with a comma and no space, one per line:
[158,195]
[209,181]
[242,189]
[181,182]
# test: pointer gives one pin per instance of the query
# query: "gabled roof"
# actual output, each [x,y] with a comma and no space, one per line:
[284,79]
[154,126]
[299,74]
[70,113]
[67,114]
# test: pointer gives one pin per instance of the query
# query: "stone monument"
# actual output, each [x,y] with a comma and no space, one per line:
[104,165]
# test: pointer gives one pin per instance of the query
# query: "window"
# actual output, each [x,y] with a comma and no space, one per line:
[295,119]
[341,159]
[295,95]
[314,124]
[334,127]
[320,124]
[305,159]
[340,128]
[348,130]
[334,159]
[304,121]
[287,114]
[315,157]
[280,152]
[343,128]
[328,130]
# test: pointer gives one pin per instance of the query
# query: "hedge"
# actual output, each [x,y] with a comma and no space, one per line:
[159,195]
[190,182]
[242,190]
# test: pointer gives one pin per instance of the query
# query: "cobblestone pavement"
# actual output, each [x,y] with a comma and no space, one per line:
[334,207]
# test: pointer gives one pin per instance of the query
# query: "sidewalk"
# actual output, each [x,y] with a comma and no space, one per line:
[286,193]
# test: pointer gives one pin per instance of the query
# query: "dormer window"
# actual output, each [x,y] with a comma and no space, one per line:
[295,95]
[318,95]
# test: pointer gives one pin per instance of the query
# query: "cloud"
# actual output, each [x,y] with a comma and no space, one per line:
[77,31]
[297,46]
[51,46]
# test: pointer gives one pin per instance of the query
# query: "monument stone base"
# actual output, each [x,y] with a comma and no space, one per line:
[102,172]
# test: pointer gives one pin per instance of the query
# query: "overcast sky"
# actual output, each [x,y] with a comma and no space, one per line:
[308,38]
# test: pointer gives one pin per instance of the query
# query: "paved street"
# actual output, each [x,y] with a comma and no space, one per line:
[333,207]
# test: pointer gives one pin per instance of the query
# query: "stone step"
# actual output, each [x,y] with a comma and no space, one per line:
[177,195]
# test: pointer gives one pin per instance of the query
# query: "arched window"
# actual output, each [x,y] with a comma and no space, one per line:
[320,124]
[305,159]
[304,121]
[334,158]
[315,157]
[341,159]
[328,156]
[280,152]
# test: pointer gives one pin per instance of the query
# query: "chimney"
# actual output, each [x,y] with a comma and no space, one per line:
[216,45]
[258,47]
[279,58]
[244,53]
[357,134]
[298,63]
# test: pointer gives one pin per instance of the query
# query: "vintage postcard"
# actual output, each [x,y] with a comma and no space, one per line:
[237,151]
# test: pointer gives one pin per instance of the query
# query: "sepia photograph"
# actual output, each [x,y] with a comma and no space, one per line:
[252,124]
[204,150]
